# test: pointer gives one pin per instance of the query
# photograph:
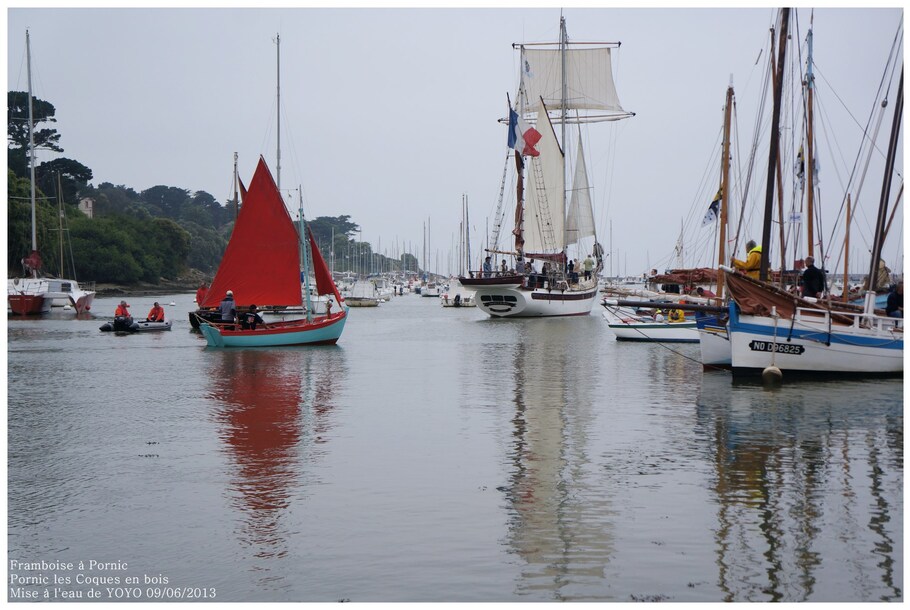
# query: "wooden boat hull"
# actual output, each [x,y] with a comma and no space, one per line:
[321,331]
[813,346]
[714,343]
[204,315]
[769,327]
[28,304]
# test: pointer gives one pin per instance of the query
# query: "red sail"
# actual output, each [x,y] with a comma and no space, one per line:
[324,282]
[261,263]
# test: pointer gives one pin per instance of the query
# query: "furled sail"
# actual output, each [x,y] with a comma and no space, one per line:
[588,80]
[580,218]
[544,216]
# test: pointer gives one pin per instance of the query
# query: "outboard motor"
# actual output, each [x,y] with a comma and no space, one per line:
[123,324]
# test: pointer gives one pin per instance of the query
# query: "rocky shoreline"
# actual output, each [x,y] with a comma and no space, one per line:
[186,283]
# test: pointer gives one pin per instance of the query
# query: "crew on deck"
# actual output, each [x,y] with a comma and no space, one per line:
[228,310]
[813,280]
[895,306]
[752,264]
[250,319]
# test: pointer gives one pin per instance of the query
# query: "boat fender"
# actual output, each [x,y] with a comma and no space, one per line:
[772,376]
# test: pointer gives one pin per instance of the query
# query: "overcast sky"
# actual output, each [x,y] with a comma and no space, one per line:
[390,115]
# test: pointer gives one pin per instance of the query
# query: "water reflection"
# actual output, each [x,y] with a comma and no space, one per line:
[804,474]
[560,510]
[274,409]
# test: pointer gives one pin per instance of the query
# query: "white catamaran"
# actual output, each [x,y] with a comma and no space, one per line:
[568,87]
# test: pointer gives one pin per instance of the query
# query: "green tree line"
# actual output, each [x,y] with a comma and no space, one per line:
[132,236]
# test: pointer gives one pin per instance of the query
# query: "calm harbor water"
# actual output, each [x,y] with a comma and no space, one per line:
[437,455]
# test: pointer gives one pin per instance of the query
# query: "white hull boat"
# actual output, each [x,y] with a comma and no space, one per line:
[56,292]
[807,337]
[456,296]
[626,325]
[714,343]
[430,290]
[810,344]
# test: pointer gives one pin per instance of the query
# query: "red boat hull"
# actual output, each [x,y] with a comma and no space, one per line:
[26,304]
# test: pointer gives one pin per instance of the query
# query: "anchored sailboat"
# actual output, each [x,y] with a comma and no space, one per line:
[265,238]
[576,86]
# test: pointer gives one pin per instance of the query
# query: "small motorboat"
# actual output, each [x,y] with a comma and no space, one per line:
[123,324]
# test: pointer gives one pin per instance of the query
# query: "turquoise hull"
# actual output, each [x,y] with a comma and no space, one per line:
[298,332]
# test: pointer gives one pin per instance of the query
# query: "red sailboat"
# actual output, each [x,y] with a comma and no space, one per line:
[261,266]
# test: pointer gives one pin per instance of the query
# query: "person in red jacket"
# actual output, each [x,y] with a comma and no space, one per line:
[200,294]
[156,313]
[123,310]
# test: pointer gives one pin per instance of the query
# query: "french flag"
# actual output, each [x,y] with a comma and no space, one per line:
[522,137]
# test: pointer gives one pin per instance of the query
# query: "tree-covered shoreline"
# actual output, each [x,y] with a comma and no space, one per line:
[157,236]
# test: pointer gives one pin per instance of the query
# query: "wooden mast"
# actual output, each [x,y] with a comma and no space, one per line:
[775,144]
[780,184]
[886,187]
[845,297]
[236,194]
[724,191]
[809,160]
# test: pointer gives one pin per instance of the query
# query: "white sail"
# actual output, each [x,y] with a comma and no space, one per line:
[545,211]
[589,79]
[580,218]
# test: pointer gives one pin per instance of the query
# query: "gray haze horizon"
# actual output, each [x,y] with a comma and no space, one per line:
[389,115]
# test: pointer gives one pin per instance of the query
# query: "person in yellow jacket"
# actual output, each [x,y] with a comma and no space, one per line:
[752,263]
[677,315]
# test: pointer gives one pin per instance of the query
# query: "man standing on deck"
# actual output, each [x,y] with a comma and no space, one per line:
[895,306]
[752,264]
[228,311]
[589,267]
[813,280]
[487,267]
[200,293]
